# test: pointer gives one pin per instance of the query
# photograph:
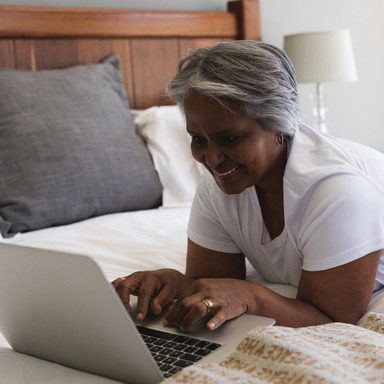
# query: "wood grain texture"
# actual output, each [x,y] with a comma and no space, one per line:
[149,43]
[152,75]
[88,22]
[248,16]
[45,53]
[191,44]
[7,54]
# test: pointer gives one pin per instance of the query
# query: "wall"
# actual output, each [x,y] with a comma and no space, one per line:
[354,108]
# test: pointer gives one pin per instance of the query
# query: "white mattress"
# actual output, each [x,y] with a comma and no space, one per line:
[121,243]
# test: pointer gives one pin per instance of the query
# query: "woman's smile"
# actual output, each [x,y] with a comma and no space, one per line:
[225,174]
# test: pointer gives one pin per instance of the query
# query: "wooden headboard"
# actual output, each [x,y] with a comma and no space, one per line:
[150,43]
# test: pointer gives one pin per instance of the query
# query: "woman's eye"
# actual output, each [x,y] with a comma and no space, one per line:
[229,139]
[197,139]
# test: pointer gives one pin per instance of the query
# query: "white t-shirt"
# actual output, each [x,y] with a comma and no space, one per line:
[333,210]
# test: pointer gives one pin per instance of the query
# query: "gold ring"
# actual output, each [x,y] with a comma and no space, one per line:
[122,278]
[208,303]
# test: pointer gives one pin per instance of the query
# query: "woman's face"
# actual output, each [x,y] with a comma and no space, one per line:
[236,150]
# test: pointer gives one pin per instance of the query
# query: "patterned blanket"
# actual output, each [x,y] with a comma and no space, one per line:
[331,353]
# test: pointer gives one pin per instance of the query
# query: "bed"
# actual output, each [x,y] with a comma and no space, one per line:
[103,73]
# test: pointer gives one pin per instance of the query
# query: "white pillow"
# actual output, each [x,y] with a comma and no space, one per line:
[164,131]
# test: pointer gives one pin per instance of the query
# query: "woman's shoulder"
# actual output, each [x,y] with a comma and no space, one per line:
[315,156]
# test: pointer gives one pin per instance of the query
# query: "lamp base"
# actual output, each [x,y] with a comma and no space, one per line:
[320,119]
[320,111]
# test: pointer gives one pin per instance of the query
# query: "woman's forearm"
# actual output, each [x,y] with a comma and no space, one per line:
[286,311]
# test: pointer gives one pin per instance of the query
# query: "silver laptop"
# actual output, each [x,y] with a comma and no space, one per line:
[60,307]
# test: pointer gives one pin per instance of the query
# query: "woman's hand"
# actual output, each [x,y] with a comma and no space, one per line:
[230,298]
[161,286]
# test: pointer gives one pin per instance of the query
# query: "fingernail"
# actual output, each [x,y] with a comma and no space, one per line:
[211,326]
[166,322]
[158,307]
[139,316]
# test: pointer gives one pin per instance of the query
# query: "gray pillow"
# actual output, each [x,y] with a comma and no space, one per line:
[68,148]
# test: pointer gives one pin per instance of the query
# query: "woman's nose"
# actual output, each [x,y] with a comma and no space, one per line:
[213,156]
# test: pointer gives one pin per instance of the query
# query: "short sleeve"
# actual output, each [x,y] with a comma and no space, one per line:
[343,221]
[206,225]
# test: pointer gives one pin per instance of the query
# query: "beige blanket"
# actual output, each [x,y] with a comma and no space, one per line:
[331,353]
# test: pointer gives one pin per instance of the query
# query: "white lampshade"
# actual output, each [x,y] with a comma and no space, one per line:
[322,56]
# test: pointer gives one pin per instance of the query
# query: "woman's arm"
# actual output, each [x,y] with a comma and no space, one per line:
[344,292]
[203,262]
[338,294]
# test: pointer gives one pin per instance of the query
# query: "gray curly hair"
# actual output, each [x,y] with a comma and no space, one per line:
[257,75]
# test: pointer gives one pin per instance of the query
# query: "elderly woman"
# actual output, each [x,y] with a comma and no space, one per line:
[304,208]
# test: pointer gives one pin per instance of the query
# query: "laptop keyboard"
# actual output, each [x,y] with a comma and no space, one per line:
[175,352]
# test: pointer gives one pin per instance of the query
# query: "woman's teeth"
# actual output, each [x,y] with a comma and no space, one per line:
[228,172]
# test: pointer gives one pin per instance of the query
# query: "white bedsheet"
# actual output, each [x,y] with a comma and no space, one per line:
[121,243]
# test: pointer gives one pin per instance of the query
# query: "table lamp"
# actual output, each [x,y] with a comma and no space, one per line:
[320,57]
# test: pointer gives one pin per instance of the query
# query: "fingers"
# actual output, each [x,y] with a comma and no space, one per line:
[139,285]
[218,319]
[153,289]
[187,312]
[195,313]
[124,291]
[116,282]
[162,299]
[148,290]
[221,299]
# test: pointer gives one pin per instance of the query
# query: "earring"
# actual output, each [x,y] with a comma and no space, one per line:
[281,139]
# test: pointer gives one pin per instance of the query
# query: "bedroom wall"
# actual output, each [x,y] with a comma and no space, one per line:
[355,109]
